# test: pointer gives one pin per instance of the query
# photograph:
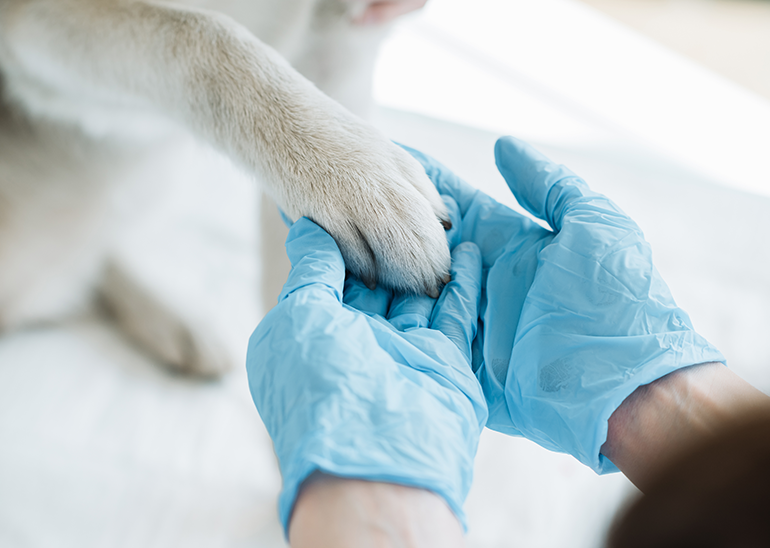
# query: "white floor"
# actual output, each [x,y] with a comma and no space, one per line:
[101,448]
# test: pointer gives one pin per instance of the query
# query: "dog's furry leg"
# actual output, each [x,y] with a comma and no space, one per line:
[61,57]
[184,282]
[183,342]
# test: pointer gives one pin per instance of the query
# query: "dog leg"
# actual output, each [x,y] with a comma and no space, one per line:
[61,57]
[187,294]
[184,281]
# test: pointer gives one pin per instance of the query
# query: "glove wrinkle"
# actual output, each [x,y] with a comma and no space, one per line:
[572,321]
[344,392]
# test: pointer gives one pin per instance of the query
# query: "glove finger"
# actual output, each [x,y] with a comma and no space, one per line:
[457,309]
[454,234]
[446,182]
[410,311]
[360,297]
[531,175]
[551,191]
[315,260]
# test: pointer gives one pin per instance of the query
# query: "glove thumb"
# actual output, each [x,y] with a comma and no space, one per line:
[315,260]
[530,176]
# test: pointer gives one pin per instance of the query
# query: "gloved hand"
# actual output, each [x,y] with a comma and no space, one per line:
[572,320]
[343,390]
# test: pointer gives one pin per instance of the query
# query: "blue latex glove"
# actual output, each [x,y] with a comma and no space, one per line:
[343,390]
[572,320]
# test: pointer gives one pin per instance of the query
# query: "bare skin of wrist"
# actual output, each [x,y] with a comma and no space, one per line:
[660,420]
[333,512]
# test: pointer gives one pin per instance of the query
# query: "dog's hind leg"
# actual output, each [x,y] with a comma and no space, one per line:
[184,282]
[187,295]
[178,334]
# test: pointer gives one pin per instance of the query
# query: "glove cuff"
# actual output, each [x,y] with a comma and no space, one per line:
[580,429]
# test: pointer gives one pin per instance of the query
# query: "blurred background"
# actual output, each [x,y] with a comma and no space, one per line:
[664,105]
[728,37]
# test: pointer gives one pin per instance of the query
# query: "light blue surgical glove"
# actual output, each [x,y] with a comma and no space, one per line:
[343,390]
[572,320]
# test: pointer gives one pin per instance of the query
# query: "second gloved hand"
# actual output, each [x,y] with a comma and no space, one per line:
[573,319]
[373,388]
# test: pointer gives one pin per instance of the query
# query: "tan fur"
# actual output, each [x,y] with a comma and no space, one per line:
[98,97]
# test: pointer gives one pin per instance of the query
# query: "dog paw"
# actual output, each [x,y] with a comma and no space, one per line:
[377,203]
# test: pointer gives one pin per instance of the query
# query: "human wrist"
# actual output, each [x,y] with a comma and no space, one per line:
[660,420]
[341,513]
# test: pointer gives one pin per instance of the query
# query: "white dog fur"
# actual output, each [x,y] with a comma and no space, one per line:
[98,96]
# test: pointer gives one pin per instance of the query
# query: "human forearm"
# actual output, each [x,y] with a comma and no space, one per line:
[663,418]
[340,513]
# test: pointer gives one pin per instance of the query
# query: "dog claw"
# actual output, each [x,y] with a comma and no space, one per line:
[370,283]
